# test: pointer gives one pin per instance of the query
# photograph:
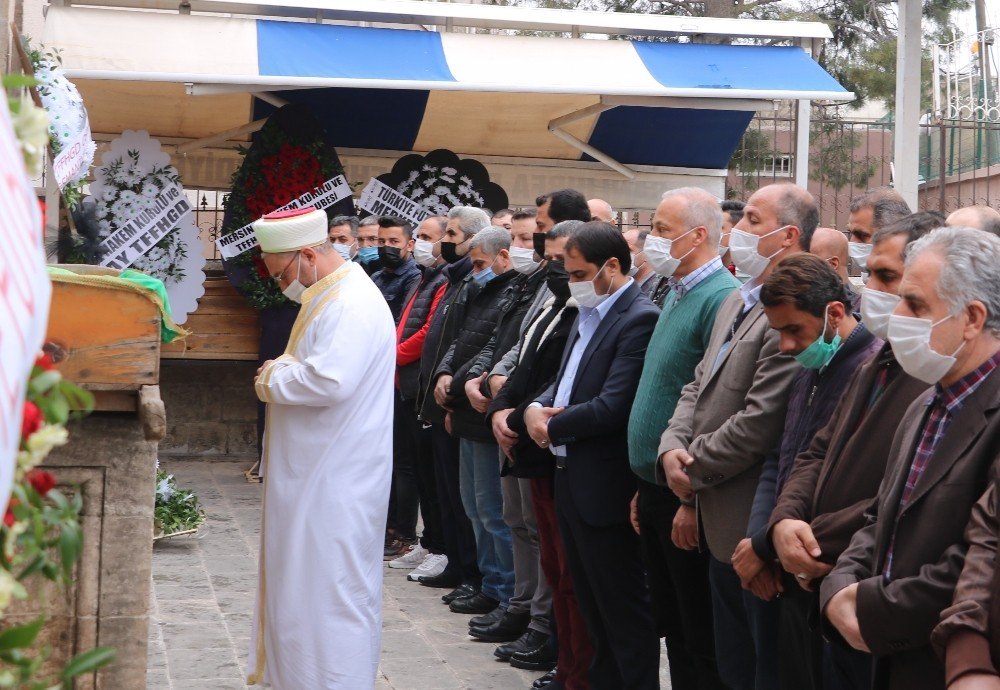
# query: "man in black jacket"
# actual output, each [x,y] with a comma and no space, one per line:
[479,476]
[583,418]
[413,461]
[399,275]
[462,574]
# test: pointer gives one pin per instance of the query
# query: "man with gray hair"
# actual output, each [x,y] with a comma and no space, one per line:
[463,223]
[479,475]
[888,589]
[343,233]
[367,250]
[869,213]
[981,217]
[683,247]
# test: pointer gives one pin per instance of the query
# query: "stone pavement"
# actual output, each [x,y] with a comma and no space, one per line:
[203,598]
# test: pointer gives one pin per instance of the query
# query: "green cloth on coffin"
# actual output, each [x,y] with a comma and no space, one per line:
[134,281]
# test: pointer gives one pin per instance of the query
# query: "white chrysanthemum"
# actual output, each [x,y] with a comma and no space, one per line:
[9,586]
[46,438]
[449,171]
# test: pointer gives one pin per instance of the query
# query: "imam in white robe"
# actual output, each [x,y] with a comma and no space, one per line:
[327,467]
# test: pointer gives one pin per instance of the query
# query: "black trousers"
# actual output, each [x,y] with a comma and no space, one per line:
[606,567]
[459,540]
[413,478]
[681,597]
[800,663]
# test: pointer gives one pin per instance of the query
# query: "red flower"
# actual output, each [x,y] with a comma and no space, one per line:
[31,420]
[45,362]
[261,268]
[8,518]
[41,481]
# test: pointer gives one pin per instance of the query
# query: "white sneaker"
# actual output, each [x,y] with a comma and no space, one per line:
[433,565]
[411,559]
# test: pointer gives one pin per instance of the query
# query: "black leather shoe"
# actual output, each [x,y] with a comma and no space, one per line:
[545,681]
[507,629]
[489,619]
[443,581]
[530,640]
[537,659]
[460,592]
[477,603]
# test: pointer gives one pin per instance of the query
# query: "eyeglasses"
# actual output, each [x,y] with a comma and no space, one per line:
[277,277]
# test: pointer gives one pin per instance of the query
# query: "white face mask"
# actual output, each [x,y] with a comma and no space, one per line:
[344,250]
[585,294]
[523,259]
[295,288]
[743,249]
[859,253]
[911,344]
[658,251]
[723,248]
[423,253]
[876,308]
[635,267]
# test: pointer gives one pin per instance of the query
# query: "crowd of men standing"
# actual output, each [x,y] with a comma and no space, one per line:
[704,433]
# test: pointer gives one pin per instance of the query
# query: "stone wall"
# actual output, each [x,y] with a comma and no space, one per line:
[211,409]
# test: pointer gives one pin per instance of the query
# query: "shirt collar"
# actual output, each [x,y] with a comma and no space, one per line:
[692,279]
[955,395]
[750,292]
[604,307]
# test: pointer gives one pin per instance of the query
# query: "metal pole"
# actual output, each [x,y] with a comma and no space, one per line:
[906,134]
[802,144]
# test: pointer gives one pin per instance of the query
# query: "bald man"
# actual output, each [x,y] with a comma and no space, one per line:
[831,246]
[601,210]
[982,217]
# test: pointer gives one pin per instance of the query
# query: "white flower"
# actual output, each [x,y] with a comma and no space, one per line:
[449,171]
[31,129]
[110,194]
[10,587]
[164,491]
[45,439]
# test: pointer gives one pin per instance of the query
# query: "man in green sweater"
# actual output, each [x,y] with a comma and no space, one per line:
[684,247]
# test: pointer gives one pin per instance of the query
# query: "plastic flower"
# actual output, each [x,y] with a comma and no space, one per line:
[46,438]
[31,420]
[41,481]
[31,127]
[9,588]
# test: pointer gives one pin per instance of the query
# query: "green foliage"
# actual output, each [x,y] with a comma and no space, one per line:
[836,160]
[176,510]
[753,150]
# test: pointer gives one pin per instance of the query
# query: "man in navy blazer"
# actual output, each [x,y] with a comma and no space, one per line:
[583,419]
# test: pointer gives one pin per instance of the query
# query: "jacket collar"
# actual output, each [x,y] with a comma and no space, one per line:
[456,272]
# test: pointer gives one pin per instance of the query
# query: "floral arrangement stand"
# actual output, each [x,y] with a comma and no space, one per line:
[108,341]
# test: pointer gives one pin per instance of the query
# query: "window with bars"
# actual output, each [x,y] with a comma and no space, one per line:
[209,208]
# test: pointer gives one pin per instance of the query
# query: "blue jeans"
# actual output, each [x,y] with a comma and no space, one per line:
[746,632]
[479,479]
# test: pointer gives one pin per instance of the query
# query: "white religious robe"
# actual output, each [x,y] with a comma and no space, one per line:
[328,462]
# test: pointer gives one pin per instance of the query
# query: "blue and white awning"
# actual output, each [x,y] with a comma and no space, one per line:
[403,89]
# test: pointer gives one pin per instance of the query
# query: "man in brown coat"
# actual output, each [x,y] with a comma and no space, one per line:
[888,589]
[823,501]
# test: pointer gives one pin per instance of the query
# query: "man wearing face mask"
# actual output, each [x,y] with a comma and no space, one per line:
[726,423]
[344,235]
[328,463]
[641,273]
[682,248]
[888,589]
[399,275]
[869,213]
[413,481]
[834,479]
[583,417]
[806,302]
[732,212]
[479,477]
[461,575]
[367,247]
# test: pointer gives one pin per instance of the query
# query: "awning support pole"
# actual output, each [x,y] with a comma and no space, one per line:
[222,137]
[802,144]
[906,130]
[556,127]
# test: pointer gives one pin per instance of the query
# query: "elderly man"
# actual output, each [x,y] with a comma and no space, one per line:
[461,575]
[822,503]
[869,213]
[643,275]
[344,235]
[683,248]
[831,246]
[981,217]
[729,419]
[367,253]
[601,210]
[888,589]
[318,618]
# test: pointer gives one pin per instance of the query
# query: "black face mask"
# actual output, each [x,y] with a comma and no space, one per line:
[557,280]
[538,243]
[390,257]
[449,252]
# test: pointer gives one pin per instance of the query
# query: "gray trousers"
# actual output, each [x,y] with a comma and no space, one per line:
[531,590]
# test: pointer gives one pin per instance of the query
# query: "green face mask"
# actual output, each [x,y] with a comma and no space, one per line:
[819,354]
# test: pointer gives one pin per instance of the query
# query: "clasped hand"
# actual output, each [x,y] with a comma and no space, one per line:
[675,463]
[537,421]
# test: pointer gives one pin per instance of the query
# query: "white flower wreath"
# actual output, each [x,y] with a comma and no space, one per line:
[436,189]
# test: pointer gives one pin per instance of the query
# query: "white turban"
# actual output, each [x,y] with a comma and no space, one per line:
[289,231]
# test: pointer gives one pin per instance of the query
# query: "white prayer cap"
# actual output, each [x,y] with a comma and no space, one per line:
[289,231]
